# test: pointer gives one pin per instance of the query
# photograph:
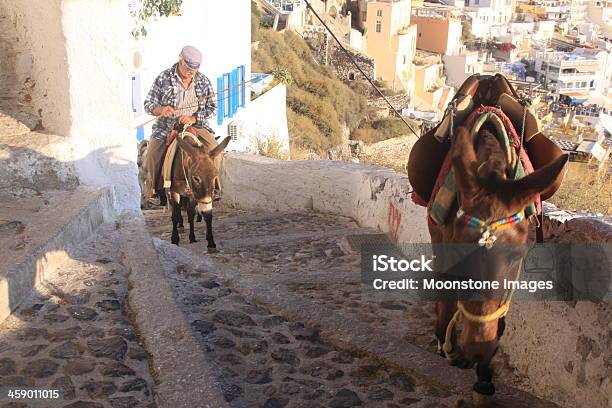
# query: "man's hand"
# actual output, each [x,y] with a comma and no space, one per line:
[164,111]
[187,120]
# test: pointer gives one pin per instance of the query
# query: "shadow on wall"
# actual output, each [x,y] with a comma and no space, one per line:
[39,196]
[34,77]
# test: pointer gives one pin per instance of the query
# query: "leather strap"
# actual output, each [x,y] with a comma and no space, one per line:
[540,227]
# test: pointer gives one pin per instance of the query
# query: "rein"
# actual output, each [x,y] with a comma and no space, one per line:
[461,312]
[199,144]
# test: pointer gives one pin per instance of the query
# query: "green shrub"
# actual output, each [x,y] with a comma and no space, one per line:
[383,129]
[319,104]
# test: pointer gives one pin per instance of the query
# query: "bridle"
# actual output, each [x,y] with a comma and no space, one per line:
[489,231]
[182,135]
[487,239]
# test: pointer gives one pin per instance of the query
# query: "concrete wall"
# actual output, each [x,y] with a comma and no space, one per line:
[40,54]
[75,54]
[561,349]
[264,121]
[374,196]
[570,341]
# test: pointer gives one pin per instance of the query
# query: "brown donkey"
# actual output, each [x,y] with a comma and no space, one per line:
[195,174]
[487,193]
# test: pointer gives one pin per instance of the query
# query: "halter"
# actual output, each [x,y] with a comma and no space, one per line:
[199,144]
[487,240]
[461,312]
[489,229]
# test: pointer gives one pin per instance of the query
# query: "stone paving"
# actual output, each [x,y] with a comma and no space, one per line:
[74,335]
[315,257]
[319,264]
[263,360]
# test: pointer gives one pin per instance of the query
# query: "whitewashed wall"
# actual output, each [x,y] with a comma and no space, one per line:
[97,34]
[221,29]
[264,121]
[75,51]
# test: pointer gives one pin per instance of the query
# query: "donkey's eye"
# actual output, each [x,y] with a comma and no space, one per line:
[197,180]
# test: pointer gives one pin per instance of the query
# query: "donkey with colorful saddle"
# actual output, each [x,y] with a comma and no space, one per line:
[482,173]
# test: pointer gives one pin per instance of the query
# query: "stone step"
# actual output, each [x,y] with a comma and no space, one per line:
[73,334]
[36,231]
[183,374]
[33,161]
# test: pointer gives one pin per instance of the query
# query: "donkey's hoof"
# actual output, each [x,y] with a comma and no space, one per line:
[461,362]
[212,250]
[175,241]
[482,400]
[192,240]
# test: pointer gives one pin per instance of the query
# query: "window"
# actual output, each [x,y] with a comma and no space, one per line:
[378,13]
[231,93]
[378,26]
[404,60]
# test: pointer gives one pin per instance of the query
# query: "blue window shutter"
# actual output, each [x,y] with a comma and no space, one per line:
[233,92]
[226,95]
[242,86]
[220,101]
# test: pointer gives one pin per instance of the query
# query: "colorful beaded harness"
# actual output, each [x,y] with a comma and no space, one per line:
[489,229]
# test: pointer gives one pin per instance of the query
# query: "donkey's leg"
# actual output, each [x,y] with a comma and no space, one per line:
[190,217]
[483,388]
[184,203]
[445,310]
[176,215]
[209,233]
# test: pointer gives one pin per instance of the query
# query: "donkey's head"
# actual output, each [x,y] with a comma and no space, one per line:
[201,166]
[488,193]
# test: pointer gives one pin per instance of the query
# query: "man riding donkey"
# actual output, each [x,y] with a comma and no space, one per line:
[180,95]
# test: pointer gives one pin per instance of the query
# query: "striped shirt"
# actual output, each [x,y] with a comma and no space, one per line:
[168,90]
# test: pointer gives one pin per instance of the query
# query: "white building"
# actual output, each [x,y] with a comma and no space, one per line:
[229,72]
[582,70]
[489,17]
[458,67]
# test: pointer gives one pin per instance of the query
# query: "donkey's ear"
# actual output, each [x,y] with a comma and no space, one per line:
[186,146]
[220,147]
[517,194]
[464,161]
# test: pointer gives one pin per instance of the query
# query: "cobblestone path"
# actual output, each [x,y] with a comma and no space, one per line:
[264,360]
[74,335]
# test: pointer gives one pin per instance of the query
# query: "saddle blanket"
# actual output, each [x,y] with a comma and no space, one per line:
[444,193]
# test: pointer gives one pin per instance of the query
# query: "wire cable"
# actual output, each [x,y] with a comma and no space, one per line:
[359,68]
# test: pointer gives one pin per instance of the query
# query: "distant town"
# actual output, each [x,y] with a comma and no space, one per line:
[555,52]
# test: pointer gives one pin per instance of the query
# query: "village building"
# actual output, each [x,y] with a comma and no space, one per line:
[391,41]
[489,17]
[438,28]
[578,72]
[431,94]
